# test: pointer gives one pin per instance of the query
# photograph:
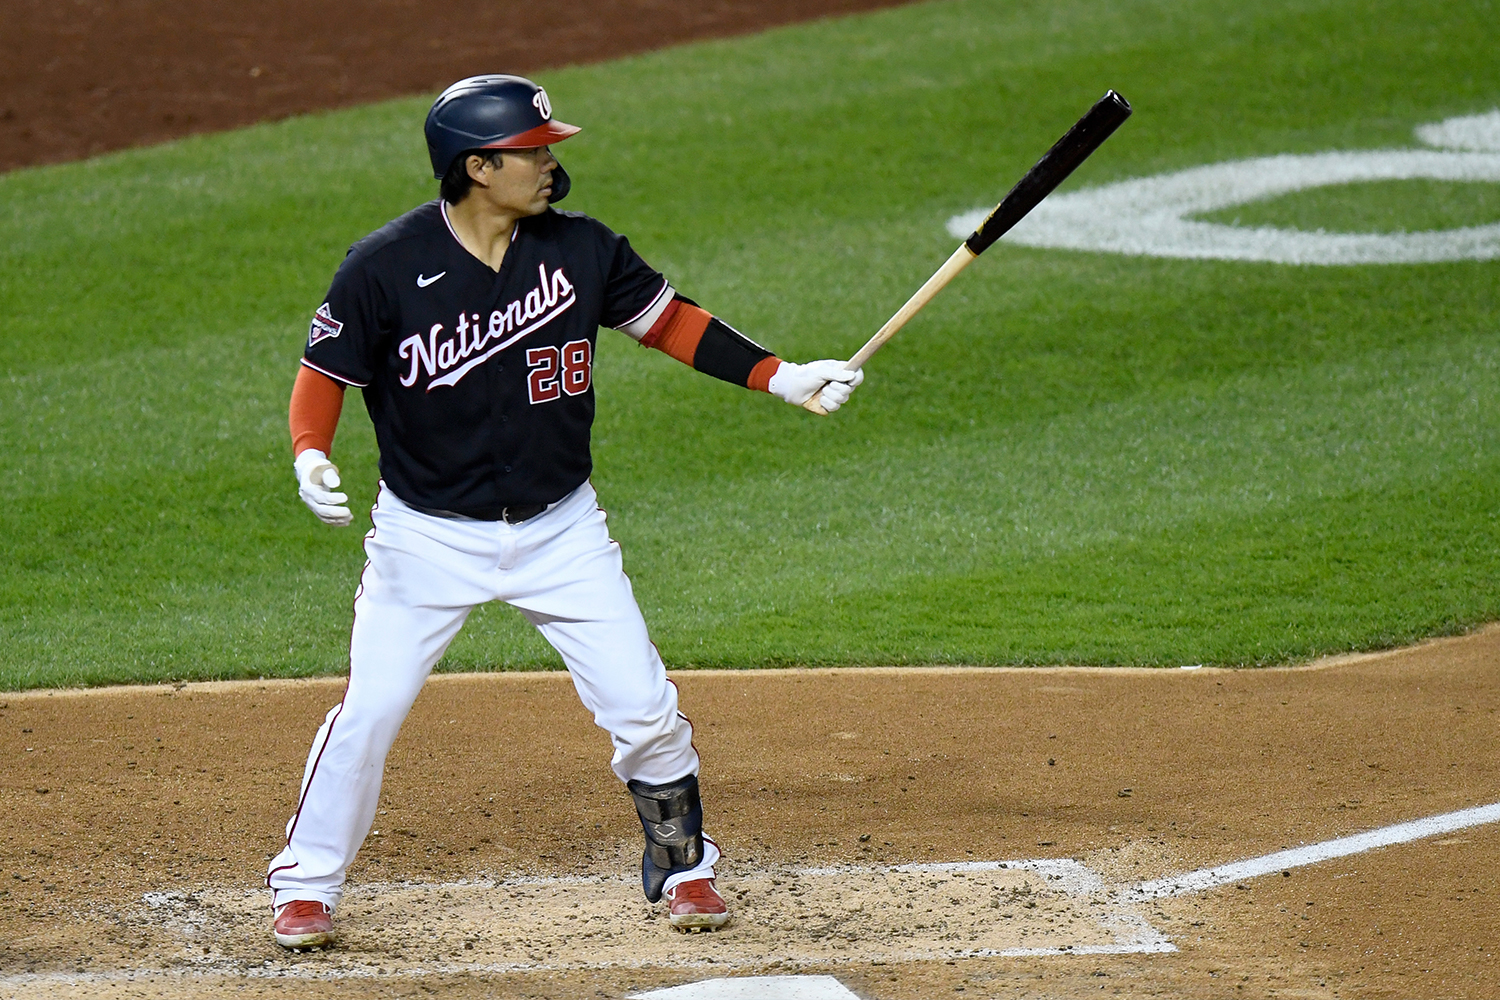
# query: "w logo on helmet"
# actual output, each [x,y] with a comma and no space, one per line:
[490,112]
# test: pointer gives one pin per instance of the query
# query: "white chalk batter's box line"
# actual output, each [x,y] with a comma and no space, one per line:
[1132,934]
[1065,875]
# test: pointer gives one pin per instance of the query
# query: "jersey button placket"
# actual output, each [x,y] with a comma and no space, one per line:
[502,468]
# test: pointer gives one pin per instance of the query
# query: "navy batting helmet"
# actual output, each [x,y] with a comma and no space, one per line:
[493,112]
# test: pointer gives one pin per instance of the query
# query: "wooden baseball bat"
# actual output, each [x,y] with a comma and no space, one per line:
[1086,135]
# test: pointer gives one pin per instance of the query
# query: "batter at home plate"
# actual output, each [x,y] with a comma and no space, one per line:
[469,324]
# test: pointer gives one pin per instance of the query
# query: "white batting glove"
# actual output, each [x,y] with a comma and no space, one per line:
[797,383]
[316,478]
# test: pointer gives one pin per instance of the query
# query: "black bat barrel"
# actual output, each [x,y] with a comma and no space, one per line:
[1052,169]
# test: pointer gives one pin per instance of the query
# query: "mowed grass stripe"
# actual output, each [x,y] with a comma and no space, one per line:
[1216,489]
[1067,458]
[1207,501]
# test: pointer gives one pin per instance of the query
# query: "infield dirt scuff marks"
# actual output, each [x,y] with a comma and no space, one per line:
[186,791]
[821,917]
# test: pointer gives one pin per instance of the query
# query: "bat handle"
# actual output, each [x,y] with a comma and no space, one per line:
[812,405]
[961,258]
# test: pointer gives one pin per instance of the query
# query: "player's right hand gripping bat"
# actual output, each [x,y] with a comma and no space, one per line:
[1050,171]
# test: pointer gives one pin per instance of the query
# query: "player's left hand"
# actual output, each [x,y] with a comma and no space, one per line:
[797,383]
[317,478]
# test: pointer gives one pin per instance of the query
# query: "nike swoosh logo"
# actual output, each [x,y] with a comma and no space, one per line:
[423,282]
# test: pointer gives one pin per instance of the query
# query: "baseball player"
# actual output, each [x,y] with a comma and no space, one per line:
[468,324]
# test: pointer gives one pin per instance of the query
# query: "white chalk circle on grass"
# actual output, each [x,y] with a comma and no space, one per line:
[1150,216]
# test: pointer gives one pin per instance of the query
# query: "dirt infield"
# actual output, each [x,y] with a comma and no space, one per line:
[87,76]
[140,821]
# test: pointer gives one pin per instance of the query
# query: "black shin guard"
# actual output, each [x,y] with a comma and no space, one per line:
[672,818]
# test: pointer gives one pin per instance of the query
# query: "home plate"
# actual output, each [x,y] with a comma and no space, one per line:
[756,988]
[797,916]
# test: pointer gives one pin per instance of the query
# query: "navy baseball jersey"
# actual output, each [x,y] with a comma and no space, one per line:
[480,384]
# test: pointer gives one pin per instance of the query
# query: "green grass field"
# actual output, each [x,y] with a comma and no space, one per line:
[1068,458]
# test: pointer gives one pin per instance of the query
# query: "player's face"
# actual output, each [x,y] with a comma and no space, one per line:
[522,181]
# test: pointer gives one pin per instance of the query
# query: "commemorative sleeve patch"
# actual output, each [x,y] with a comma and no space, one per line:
[324,326]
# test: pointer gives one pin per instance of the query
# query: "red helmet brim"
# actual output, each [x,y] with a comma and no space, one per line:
[544,134]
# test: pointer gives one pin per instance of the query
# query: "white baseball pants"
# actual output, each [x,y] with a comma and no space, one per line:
[424,575]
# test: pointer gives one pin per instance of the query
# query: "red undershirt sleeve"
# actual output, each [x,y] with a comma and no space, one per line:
[313,416]
[697,338]
[760,375]
[678,330]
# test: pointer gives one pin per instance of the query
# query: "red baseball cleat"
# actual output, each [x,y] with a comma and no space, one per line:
[696,906]
[304,923]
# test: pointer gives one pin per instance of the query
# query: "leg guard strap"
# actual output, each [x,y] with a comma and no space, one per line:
[672,819]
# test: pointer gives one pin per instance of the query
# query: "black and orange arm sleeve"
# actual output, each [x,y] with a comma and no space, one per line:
[317,401]
[696,337]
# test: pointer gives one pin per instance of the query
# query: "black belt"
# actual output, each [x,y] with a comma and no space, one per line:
[511,514]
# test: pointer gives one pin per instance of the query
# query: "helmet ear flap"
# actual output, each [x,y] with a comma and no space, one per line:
[561,185]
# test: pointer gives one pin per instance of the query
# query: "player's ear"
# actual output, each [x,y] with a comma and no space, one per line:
[476,165]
